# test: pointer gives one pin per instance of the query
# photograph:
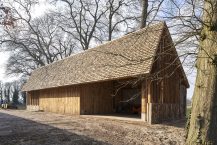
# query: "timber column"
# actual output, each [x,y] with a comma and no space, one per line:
[27,99]
[144,93]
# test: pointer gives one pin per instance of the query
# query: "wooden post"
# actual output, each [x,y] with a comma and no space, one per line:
[27,100]
[149,101]
[144,101]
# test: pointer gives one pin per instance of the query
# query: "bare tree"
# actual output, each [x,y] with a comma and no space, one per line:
[204,114]
[144,13]
[15,92]
[120,13]
[37,41]
[7,91]
[80,20]
[34,42]
[1,92]
[194,24]
[6,18]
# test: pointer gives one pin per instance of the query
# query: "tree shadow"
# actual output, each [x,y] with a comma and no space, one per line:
[19,131]
[179,123]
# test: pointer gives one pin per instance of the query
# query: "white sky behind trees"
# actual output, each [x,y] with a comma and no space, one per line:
[3,60]
[40,10]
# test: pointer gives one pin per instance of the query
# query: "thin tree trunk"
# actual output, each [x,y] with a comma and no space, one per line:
[110,28]
[203,122]
[144,13]
[8,95]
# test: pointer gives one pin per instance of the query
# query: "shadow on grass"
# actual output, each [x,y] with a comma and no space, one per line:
[19,131]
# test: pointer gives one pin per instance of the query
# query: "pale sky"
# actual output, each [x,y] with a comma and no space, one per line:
[191,79]
[39,10]
[3,60]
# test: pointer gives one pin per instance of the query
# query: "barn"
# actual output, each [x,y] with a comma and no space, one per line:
[139,73]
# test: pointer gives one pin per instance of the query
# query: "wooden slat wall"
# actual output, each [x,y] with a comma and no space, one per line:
[65,100]
[33,98]
[172,82]
[183,98]
[28,98]
[97,98]
[165,83]
[165,86]
[144,93]
[165,112]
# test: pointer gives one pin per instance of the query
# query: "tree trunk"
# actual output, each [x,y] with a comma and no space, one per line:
[203,122]
[8,95]
[110,28]
[144,13]
[24,97]
[1,93]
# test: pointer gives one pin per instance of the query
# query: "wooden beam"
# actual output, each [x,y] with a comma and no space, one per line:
[144,101]
[149,101]
[149,91]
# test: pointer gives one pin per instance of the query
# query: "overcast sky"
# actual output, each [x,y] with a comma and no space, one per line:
[39,10]
[3,59]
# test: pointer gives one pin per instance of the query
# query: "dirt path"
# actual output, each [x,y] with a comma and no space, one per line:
[40,128]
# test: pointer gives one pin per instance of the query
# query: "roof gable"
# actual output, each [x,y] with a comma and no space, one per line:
[171,65]
[178,61]
[130,55]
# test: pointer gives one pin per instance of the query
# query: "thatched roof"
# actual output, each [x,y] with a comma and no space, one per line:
[131,55]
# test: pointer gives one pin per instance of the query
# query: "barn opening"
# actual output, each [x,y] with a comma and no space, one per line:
[127,98]
[120,98]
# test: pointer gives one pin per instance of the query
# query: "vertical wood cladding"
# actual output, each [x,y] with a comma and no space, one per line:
[166,73]
[97,98]
[166,81]
[65,100]
[33,98]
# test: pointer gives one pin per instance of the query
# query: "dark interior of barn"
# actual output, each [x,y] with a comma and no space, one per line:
[127,99]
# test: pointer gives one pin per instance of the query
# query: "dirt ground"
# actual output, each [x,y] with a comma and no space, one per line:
[19,127]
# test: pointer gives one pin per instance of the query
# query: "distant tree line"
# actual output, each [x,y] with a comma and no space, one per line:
[10,92]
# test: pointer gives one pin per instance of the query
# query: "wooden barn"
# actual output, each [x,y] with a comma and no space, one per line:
[139,73]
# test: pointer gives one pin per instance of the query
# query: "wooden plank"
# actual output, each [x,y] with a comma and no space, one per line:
[96,98]
[60,100]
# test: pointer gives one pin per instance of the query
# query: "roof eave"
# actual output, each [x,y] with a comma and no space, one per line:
[140,76]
